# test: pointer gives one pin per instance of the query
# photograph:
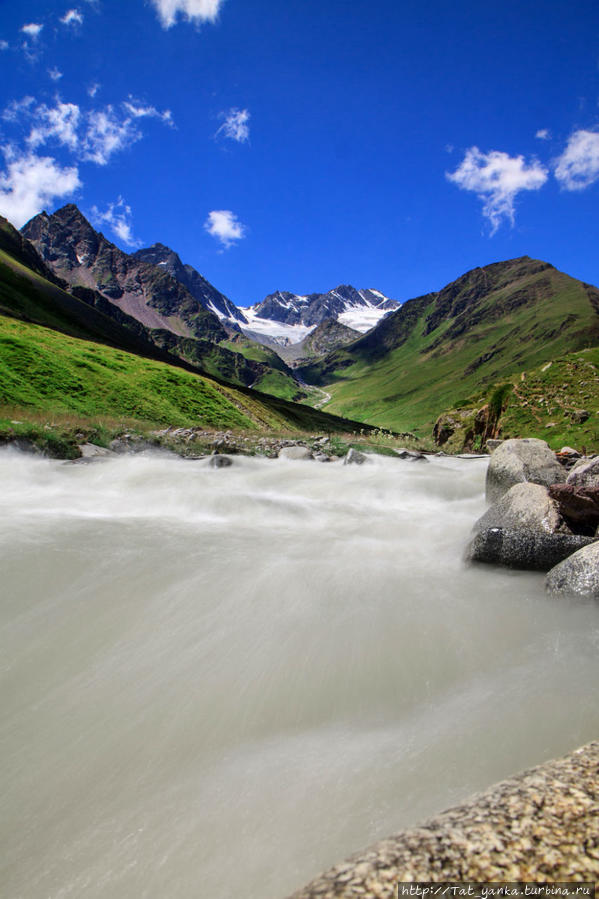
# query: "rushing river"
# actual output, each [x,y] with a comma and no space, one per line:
[216,683]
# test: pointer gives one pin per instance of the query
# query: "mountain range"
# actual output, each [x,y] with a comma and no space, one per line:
[357,352]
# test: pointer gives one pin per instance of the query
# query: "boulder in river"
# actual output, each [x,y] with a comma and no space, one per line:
[578,505]
[578,574]
[516,461]
[527,506]
[353,457]
[410,455]
[585,473]
[519,548]
[218,461]
[295,452]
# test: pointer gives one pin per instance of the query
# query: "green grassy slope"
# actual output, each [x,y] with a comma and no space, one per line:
[47,371]
[557,401]
[490,324]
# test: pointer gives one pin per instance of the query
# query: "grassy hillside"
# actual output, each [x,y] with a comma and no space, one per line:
[49,372]
[437,349]
[558,401]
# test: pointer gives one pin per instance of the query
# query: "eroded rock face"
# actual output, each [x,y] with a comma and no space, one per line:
[578,574]
[528,506]
[519,548]
[517,461]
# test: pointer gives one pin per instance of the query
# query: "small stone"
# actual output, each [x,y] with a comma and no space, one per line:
[353,457]
[295,452]
[218,461]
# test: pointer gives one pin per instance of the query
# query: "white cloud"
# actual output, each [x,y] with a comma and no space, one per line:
[578,166]
[106,134]
[224,226]
[17,108]
[138,111]
[60,122]
[72,17]
[30,182]
[93,89]
[118,217]
[196,11]
[3,45]
[543,134]
[497,178]
[235,125]
[55,74]
[33,30]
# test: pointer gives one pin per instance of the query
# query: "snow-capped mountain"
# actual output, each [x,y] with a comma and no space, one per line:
[286,318]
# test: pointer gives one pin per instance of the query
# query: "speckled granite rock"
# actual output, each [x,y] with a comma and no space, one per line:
[521,548]
[540,825]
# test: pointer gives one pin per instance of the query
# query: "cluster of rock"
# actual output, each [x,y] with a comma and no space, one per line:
[544,515]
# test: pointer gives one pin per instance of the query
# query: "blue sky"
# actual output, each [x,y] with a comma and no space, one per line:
[301,144]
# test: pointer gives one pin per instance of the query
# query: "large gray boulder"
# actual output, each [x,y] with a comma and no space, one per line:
[517,461]
[519,548]
[578,574]
[585,473]
[527,506]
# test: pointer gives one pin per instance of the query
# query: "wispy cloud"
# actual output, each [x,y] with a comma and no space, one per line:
[497,178]
[543,134]
[72,17]
[93,135]
[31,182]
[60,122]
[32,30]
[55,74]
[137,110]
[93,89]
[4,45]
[196,11]
[578,166]
[106,134]
[235,125]
[225,227]
[118,217]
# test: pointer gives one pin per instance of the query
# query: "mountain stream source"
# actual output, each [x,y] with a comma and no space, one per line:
[218,682]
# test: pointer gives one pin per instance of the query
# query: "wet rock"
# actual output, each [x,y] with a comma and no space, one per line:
[353,457]
[127,443]
[26,446]
[579,505]
[516,461]
[322,457]
[218,461]
[520,548]
[410,455]
[578,574]
[527,506]
[295,452]
[91,451]
[585,473]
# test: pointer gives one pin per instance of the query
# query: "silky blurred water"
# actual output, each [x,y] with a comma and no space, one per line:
[219,682]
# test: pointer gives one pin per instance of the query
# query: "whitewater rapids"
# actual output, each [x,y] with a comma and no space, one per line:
[219,682]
